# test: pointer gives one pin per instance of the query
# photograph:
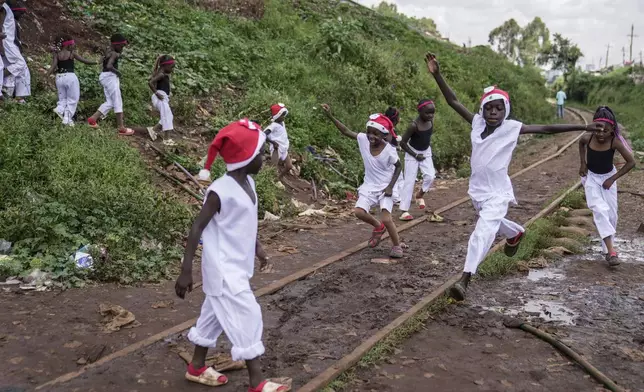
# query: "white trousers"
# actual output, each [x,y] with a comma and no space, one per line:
[399,189]
[19,79]
[163,107]
[603,204]
[238,316]
[491,221]
[411,172]
[68,95]
[112,89]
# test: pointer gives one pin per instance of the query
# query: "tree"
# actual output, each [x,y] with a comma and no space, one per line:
[422,24]
[563,55]
[521,45]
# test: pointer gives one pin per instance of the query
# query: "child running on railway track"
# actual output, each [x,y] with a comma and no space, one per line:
[382,168]
[110,80]
[596,151]
[494,138]
[418,155]
[228,222]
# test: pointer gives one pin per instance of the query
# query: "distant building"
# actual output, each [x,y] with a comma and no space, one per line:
[551,75]
[590,67]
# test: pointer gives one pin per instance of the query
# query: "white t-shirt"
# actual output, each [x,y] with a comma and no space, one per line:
[378,170]
[229,239]
[491,160]
[278,135]
[561,97]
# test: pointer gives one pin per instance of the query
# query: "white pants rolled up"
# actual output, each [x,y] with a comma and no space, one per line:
[603,203]
[491,221]
[68,95]
[412,165]
[163,107]
[112,89]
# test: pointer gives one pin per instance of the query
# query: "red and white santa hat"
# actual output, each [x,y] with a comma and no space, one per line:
[383,124]
[278,110]
[238,143]
[494,93]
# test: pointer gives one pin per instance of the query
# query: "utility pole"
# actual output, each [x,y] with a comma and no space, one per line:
[623,55]
[640,58]
[600,63]
[469,42]
[631,35]
[607,50]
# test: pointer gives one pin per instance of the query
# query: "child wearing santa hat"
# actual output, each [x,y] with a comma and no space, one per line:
[228,225]
[494,138]
[381,171]
[417,144]
[278,139]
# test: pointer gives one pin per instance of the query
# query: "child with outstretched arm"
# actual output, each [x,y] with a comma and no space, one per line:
[382,168]
[228,225]
[494,138]
[596,151]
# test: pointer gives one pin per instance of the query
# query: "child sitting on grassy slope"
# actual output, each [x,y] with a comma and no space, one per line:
[494,138]
[228,223]
[596,151]
[382,168]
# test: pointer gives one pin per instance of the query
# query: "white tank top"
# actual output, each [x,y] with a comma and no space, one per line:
[491,160]
[378,170]
[230,238]
[9,24]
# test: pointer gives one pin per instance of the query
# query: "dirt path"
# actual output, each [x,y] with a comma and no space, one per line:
[594,310]
[315,321]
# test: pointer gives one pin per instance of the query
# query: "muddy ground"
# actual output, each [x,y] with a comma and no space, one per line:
[315,321]
[595,310]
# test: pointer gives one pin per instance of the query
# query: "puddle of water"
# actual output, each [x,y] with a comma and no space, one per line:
[551,311]
[629,251]
[546,273]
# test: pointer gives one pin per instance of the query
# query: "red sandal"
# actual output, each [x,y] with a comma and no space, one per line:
[276,385]
[376,235]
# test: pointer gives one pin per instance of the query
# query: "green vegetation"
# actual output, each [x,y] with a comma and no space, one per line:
[617,90]
[66,187]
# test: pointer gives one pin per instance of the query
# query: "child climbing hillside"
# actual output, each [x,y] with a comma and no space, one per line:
[381,170]
[63,64]
[159,83]
[278,140]
[596,151]
[494,138]
[228,223]
[110,80]
[16,79]
[418,155]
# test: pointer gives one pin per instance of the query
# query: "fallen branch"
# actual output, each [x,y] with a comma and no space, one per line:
[593,371]
[296,226]
[178,182]
[631,193]
[187,173]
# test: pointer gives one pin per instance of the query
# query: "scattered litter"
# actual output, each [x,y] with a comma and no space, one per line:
[633,354]
[428,375]
[116,317]
[10,282]
[288,249]
[81,361]
[559,250]
[162,304]
[169,143]
[307,368]
[435,262]
[479,382]
[436,218]
[299,205]
[312,212]
[5,247]
[460,223]
[270,217]
[83,259]
[384,261]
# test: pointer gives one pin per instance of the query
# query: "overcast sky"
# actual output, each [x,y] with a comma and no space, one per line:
[591,24]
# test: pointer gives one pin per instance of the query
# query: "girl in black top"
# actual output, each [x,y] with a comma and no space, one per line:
[159,83]
[596,151]
[417,144]
[62,64]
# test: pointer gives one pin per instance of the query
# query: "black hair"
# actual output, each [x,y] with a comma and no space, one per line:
[58,42]
[157,64]
[392,114]
[118,38]
[422,102]
[605,112]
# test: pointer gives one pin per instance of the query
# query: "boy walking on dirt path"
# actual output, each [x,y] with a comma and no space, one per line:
[561,100]
[228,224]
[494,138]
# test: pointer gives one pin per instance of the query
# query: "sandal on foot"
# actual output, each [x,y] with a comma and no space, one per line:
[126,131]
[512,245]
[61,115]
[420,203]
[273,385]
[376,236]
[612,259]
[458,291]
[406,216]
[396,252]
[92,123]
[153,135]
[206,376]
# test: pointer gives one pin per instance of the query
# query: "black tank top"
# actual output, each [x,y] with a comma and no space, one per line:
[600,162]
[66,66]
[421,139]
[163,84]
[106,59]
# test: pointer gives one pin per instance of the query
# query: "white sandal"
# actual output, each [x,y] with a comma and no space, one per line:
[277,385]
[420,203]
[406,216]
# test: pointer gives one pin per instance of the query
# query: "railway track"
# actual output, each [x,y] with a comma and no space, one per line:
[285,297]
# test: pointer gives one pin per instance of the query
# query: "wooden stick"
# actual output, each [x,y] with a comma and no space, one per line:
[187,173]
[178,182]
[315,190]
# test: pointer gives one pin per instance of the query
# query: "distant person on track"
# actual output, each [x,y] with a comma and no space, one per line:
[561,100]
[62,64]
[599,176]
[494,138]
[278,140]
[382,168]
[418,156]
[16,79]
[228,223]
[110,80]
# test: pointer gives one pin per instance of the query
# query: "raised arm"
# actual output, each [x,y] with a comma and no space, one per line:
[343,128]
[450,97]
[404,143]
[583,165]
[84,60]
[560,128]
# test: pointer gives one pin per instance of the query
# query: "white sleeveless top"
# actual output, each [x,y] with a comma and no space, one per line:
[9,24]
[278,135]
[378,170]
[230,238]
[491,160]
